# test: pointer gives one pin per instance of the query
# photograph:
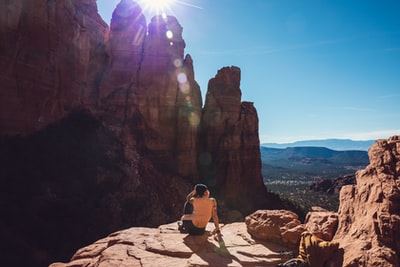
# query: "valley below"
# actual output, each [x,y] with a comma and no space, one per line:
[310,176]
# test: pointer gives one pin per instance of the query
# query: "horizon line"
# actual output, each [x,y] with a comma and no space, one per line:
[372,136]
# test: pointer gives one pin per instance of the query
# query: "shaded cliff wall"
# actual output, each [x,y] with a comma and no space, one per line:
[51,56]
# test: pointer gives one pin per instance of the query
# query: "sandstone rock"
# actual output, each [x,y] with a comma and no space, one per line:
[51,54]
[333,186]
[134,162]
[168,99]
[323,224]
[369,212]
[284,227]
[60,57]
[230,156]
[124,54]
[165,246]
[280,226]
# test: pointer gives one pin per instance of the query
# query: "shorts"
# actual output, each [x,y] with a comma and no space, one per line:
[191,229]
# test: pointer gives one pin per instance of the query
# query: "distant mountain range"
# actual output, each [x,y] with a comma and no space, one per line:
[334,144]
[310,163]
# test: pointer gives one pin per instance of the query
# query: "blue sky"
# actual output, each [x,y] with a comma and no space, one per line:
[315,69]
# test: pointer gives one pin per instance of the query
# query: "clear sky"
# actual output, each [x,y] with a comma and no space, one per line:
[315,69]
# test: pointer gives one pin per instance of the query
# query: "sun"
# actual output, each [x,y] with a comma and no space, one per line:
[157,6]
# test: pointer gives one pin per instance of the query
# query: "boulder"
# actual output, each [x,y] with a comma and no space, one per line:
[279,226]
[321,223]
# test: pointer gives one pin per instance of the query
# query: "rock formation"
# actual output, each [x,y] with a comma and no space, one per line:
[60,57]
[102,128]
[369,212]
[51,54]
[230,157]
[106,124]
[279,226]
[333,186]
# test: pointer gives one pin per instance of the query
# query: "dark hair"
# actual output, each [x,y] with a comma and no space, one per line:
[200,190]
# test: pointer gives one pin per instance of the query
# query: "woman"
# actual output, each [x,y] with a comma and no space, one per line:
[204,208]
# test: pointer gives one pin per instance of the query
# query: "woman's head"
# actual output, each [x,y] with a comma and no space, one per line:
[200,190]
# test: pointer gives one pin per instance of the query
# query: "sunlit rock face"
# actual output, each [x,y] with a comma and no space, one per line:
[51,56]
[230,156]
[148,92]
[166,246]
[124,54]
[369,212]
[168,98]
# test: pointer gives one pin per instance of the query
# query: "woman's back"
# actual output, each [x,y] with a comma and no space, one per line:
[202,211]
[204,208]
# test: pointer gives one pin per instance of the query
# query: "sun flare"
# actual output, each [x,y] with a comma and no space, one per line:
[157,6]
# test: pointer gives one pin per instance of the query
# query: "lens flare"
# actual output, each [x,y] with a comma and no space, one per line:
[185,88]
[178,63]
[183,82]
[182,77]
[169,34]
[194,119]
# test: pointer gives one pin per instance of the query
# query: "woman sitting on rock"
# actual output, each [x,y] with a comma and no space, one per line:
[204,208]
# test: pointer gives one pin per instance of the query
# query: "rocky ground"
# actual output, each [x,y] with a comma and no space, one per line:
[255,242]
[166,246]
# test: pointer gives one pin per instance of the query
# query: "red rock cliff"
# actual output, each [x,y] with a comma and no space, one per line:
[51,56]
[105,122]
[60,56]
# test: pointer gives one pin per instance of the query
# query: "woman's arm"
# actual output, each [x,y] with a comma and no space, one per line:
[215,216]
[190,195]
